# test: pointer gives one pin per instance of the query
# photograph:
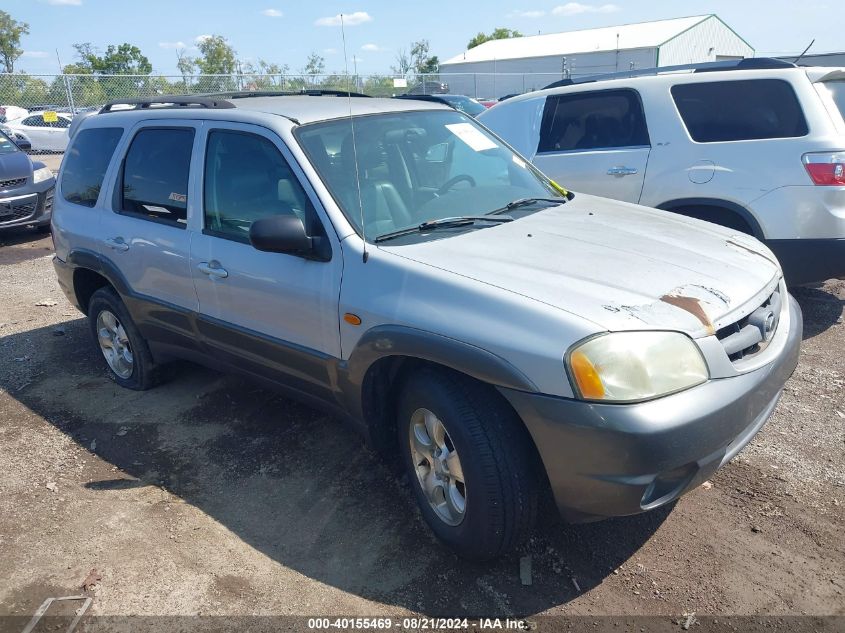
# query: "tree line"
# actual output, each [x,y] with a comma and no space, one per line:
[215,68]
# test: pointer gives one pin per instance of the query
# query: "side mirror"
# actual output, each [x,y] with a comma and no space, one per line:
[286,234]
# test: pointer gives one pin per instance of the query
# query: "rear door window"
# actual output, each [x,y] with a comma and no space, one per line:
[154,181]
[604,119]
[742,110]
[85,164]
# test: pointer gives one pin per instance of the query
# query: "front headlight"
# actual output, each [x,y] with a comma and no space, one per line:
[635,366]
[42,174]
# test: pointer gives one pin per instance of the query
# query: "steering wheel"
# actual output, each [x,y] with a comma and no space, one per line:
[454,181]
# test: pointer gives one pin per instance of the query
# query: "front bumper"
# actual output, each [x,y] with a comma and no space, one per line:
[31,204]
[606,460]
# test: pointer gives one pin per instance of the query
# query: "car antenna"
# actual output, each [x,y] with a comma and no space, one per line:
[798,59]
[354,145]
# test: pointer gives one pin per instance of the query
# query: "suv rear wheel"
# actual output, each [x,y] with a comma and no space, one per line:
[470,463]
[128,358]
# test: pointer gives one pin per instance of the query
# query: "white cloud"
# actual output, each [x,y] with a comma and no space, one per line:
[526,14]
[199,39]
[272,13]
[36,54]
[373,48]
[73,3]
[576,8]
[349,19]
[172,45]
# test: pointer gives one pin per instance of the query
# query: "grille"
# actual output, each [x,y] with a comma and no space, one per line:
[14,210]
[751,335]
[11,184]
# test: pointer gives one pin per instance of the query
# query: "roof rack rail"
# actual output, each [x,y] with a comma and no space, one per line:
[750,63]
[316,92]
[166,102]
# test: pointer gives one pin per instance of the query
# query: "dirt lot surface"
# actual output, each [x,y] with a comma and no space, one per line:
[210,495]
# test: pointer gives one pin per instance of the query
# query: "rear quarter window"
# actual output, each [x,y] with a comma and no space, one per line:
[86,162]
[742,110]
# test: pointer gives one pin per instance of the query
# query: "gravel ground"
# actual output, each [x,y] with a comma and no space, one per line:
[211,495]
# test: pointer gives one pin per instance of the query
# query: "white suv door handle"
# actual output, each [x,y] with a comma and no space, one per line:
[117,244]
[213,269]
[622,171]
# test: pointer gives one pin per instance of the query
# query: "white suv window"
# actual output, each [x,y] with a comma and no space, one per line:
[750,109]
[603,119]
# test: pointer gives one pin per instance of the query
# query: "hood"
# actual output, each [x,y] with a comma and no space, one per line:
[15,165]
[619,265]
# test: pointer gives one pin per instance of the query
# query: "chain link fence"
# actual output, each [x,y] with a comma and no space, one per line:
[23,95]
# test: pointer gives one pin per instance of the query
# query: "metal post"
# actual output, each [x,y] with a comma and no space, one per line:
[68,91]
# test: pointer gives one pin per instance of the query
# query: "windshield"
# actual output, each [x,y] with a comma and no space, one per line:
[417,167]
[6,145]
[837,93]
[464,104]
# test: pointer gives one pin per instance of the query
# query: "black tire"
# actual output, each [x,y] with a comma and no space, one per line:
[144,371]
[499,463]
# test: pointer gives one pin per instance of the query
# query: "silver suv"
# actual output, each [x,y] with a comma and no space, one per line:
[756,145]
[393,261]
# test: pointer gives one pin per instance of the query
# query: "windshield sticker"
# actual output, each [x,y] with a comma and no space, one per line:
[178,197]
[50,117]
[471,136]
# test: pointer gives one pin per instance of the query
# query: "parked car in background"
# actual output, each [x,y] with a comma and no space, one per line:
[466,105]
[44,135]
[395,262]
[429,88]
[26,188]
[20,139]
[757,146]
[10,112]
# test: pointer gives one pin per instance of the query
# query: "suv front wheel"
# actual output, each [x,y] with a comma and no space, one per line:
[128,358]
[470,463]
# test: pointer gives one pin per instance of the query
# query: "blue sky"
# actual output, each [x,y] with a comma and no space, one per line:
[284,31]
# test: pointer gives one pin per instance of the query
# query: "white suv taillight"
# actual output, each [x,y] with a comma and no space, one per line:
[825,168]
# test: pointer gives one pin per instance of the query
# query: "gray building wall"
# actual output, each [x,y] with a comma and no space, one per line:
[822,59]
[501,77]
[707,41]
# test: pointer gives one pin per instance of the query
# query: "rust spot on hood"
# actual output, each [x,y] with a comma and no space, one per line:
[691,305]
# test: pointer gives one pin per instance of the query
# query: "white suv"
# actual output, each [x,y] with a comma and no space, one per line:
[756,145]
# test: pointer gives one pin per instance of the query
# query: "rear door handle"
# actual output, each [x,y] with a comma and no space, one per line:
[117,244]
[213,269]
[622,171]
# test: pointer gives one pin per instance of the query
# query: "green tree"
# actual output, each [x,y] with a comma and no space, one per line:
[497,34]
[217,56]
[403,63]
[10,40]
[121,59]
[421,62]
[314,65]
[186,65]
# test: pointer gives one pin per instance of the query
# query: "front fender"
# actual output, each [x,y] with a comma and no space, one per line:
[393,340]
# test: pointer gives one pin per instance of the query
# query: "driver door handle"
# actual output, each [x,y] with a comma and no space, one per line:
[213,269]
[117,244]
[622,171]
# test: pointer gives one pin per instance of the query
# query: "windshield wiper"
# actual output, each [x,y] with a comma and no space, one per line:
[442,223]
[523,202]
